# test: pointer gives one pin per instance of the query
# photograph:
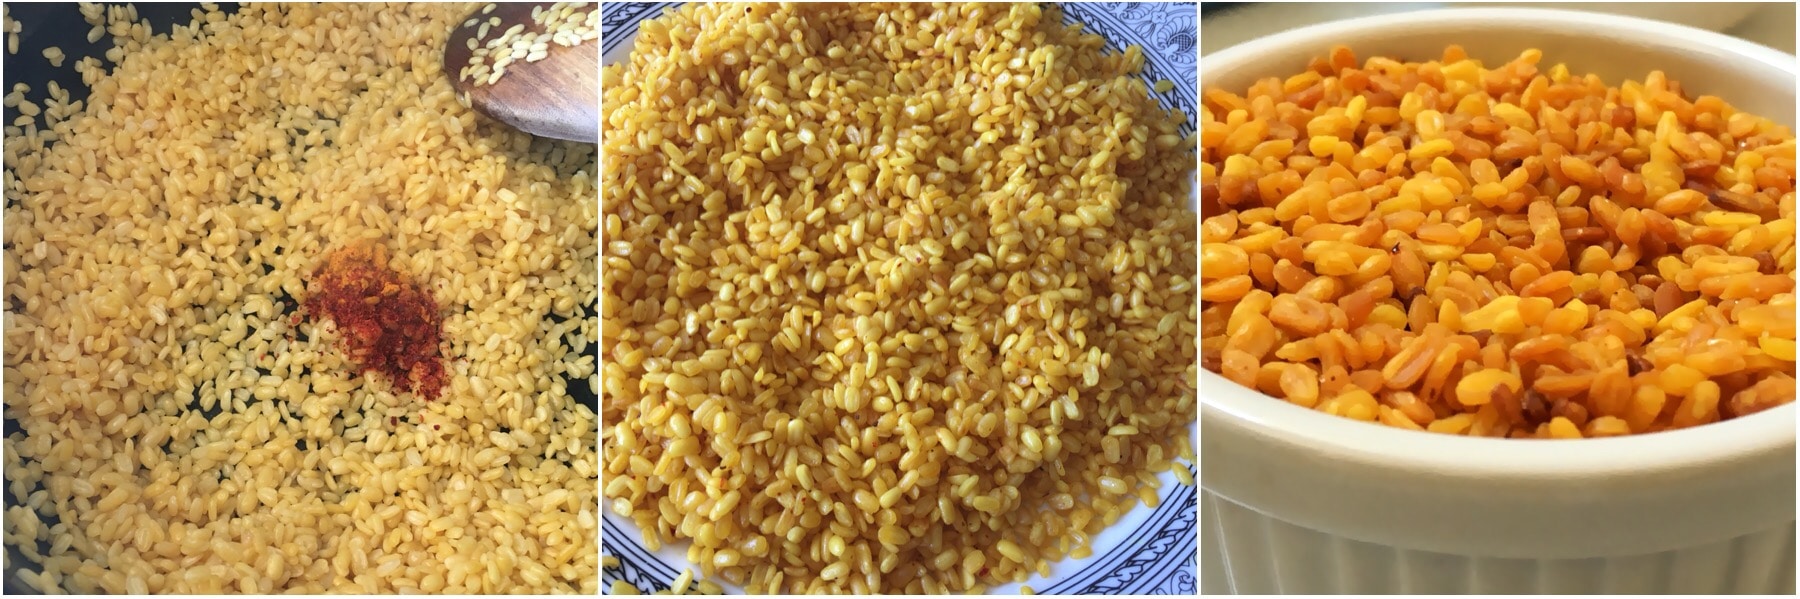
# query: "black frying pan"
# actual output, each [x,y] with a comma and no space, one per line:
[60,25]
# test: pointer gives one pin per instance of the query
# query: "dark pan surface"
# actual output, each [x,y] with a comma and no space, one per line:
[59,24]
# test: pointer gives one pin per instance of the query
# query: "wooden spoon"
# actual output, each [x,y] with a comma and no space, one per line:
[552,91]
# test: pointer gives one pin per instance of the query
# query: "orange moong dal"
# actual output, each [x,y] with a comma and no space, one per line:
[1505,252]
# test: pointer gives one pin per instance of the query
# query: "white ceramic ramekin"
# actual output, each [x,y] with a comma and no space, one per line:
[1297,501]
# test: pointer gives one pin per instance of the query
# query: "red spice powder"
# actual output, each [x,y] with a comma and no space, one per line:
[388,324]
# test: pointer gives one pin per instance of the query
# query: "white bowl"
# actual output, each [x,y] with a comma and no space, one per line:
[1712,16]
[1294,500]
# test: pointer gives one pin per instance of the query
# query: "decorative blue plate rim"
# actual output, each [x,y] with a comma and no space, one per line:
[1170,28]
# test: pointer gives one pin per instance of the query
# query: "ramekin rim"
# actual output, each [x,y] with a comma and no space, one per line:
[1225,403]
[1674,33]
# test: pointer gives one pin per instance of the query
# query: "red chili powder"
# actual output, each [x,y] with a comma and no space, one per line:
[389,324]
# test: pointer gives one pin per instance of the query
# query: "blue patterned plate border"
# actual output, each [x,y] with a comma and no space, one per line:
[1147,552]
[1166,30]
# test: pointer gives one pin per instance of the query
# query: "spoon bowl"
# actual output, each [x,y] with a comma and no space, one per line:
[529,65]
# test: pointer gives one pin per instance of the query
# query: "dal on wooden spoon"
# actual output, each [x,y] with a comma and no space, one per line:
[529,65]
